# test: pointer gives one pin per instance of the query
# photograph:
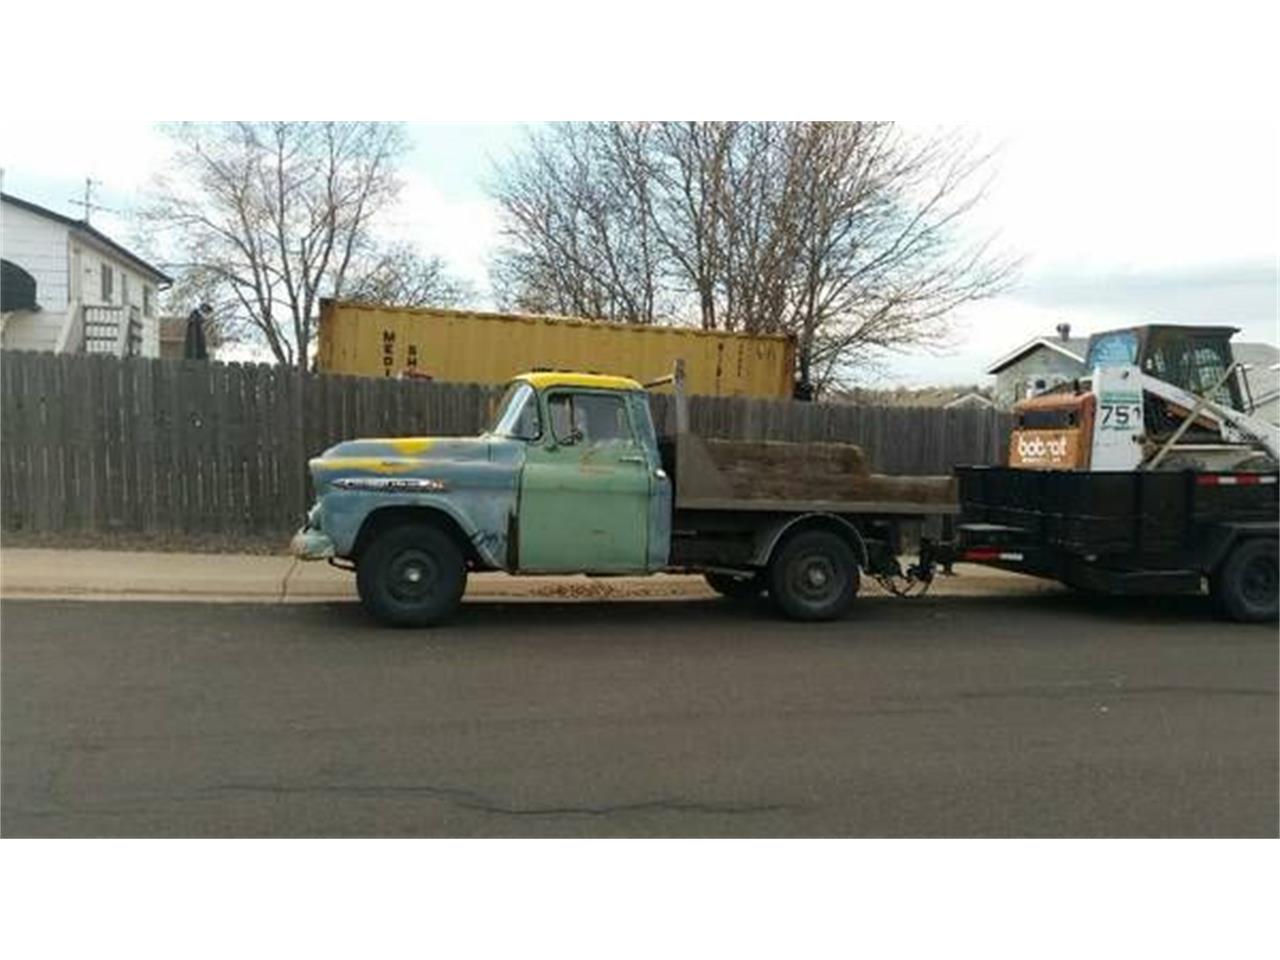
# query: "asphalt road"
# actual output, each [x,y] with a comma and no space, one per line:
[1049,715]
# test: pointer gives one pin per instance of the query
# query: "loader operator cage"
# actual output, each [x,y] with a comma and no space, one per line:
[1192,358]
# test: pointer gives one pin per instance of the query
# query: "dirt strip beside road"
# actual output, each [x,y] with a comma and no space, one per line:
[126,575]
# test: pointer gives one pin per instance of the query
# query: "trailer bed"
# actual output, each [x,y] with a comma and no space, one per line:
[1122,532]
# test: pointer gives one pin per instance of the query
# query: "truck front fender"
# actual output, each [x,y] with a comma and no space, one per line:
[350,518]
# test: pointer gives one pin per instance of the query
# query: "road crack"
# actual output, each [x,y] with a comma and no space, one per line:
[473,800]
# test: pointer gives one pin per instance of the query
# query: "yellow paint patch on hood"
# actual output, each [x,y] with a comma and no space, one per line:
[371,464]
[411,446]
[405,446]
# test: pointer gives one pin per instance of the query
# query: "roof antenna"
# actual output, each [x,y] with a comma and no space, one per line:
[87,203]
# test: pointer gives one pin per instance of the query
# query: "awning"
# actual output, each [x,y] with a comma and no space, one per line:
[17,288]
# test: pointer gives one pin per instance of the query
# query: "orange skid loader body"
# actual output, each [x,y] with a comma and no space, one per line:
[1054,431]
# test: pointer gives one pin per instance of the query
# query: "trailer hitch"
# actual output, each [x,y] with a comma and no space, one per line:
[918,577]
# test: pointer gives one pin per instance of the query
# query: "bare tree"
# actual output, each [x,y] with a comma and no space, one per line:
[264,219]
[845,235]
[579,241]
[401,275]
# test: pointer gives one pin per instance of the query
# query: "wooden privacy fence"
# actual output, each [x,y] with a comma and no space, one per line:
[101,445]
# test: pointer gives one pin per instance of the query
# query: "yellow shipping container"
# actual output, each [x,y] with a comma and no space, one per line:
[462,346]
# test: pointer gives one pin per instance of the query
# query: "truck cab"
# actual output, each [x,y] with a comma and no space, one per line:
[592,495]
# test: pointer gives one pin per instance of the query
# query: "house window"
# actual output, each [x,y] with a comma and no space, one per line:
[148,302]
[124,288]
[104,272]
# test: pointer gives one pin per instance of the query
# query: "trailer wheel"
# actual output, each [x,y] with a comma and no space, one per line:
[814,576]
[736,588]
[412,575]
[1246,587]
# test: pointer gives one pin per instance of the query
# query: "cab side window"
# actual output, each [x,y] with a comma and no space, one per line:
[589,419]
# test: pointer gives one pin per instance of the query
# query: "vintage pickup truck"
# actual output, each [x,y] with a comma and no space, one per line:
[571,478]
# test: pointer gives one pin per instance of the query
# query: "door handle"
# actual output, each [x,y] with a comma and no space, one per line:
[640,460]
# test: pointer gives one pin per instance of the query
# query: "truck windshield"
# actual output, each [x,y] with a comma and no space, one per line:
[518,414]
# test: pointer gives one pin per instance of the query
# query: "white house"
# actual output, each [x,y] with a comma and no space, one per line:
[1039,364]
[69,288]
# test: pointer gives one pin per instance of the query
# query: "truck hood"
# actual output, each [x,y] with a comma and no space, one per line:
[398,455]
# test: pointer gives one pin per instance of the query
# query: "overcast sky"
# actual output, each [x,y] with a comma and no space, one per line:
[1118,222]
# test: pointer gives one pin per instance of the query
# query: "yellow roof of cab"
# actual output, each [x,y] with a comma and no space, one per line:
[591,381]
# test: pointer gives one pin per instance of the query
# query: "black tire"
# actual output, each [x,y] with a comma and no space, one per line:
[1245,588]
[736,588]
[814,576]
[411,576]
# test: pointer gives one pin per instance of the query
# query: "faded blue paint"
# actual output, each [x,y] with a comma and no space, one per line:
[480,475]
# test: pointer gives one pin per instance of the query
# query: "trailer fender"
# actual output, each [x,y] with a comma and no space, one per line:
[769,536]
[1221,540]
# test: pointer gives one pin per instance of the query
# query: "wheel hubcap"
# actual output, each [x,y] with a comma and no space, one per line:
[413,576]
[814,578]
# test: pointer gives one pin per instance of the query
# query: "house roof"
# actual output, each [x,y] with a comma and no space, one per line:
[1074,348]
[1259,356]
[82,227]
[1263,373]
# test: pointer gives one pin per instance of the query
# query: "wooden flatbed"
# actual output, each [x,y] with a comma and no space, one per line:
[784,477]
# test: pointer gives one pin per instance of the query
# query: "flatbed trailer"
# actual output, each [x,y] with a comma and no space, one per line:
[1134,532]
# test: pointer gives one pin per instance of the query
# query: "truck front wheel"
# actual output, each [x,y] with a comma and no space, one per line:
[1246,587]
[814,576]
[411,576]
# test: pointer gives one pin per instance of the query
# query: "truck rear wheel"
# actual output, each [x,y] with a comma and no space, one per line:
[1246,587]
[411,576]
[814,576]
[736,588]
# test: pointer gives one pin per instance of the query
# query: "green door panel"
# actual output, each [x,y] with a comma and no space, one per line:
[585,490]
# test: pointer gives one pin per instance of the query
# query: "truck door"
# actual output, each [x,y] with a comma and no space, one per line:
[585,489]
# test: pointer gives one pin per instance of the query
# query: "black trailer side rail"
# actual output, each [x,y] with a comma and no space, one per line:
[1138,532]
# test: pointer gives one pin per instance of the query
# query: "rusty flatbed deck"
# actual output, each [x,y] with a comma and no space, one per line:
[781,477]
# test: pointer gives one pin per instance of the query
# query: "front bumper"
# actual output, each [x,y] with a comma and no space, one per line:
[308,544]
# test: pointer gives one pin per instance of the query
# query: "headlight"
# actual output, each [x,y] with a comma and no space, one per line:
[390,484]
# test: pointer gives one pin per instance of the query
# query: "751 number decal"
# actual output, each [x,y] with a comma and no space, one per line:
[1121,416]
